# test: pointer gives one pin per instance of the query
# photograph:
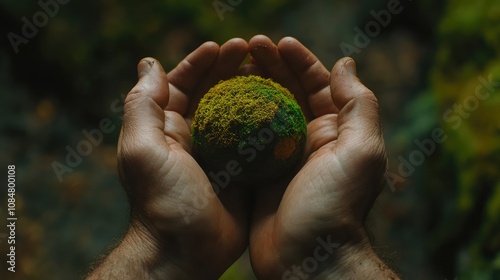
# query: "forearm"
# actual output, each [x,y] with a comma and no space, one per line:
[137,257]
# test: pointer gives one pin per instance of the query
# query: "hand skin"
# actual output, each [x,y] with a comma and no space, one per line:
[170,235]
[327,200]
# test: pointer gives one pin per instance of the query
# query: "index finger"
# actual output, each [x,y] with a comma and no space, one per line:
[269,60]
[185,77]
[312,74]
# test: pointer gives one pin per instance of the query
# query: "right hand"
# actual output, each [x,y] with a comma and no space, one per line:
[173,205]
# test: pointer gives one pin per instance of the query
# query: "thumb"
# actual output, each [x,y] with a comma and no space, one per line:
[360,139]
[142,132]
[144,106]
[139,145]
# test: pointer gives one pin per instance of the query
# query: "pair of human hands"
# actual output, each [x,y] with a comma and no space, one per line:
[309,224]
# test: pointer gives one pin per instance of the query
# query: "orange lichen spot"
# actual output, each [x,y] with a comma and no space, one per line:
[285,148]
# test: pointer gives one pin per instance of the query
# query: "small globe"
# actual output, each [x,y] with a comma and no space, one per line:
[248,129]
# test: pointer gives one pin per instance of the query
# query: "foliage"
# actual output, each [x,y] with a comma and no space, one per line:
[466,85]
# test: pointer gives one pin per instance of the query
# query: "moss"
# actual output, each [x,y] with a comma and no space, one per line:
[248,112]
[234,108]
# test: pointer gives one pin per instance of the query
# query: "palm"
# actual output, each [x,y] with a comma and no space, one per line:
[328,190]
[160,172]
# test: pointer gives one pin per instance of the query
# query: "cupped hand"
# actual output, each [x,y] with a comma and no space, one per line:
[310,222]
[173,205]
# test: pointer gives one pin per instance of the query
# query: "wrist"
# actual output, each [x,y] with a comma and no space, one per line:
[337,257]
[173,255]
[150,253]
[357,261]
[137,256]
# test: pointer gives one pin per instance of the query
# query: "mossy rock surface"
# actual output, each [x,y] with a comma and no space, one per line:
[250,127]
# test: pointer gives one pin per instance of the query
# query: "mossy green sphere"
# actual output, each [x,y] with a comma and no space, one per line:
[249,128]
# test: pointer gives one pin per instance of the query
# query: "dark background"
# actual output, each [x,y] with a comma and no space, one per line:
[438,217]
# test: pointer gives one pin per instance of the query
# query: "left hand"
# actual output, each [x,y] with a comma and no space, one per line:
[342,173]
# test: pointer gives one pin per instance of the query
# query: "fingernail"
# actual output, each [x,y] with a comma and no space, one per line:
[350,65]
[144,67]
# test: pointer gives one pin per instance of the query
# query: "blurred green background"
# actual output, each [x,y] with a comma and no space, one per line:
[438,217]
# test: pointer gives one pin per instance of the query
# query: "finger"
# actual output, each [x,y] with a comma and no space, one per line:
[268,58]
[185,78]
[144,117]
[231,56]
[265,54]
[359,127]
[143,108]
[312,74]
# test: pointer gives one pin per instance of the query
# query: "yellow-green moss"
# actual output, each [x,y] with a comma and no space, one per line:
[233,109]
